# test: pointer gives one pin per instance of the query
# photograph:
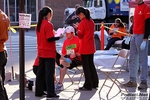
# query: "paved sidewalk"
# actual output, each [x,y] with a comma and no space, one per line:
[70,92]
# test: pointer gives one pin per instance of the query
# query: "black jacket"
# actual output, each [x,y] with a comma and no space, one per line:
[69,20]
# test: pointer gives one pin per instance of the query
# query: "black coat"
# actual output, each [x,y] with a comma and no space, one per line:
[69,20]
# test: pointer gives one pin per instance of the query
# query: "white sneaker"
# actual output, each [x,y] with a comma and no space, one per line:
[59,87]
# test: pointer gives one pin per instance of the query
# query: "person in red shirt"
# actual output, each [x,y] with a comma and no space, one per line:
[139,46]
[118,26]
[85,31]
[46,47]
[70,50]
[57,60]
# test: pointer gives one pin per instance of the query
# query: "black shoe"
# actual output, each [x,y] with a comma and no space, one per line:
[50,97]
[44,93]
[85,89]
[40,95]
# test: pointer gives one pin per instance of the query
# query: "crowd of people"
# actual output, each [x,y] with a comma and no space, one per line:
[79,48]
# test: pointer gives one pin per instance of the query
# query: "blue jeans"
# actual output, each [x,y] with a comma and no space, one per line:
[3,61]
[138,56]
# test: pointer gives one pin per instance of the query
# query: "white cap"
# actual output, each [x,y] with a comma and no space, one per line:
[69,29]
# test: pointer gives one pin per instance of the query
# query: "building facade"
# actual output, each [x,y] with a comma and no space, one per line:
[33,6]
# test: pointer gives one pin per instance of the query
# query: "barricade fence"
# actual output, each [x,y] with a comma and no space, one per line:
[98,25]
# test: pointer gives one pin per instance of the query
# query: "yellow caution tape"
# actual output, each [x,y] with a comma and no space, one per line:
[12,28]
[114,30]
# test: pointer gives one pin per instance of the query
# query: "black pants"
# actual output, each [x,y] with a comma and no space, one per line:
[111,41]
[3,61]
[125,46]
[46,70]
[58,56]
[35,69]
[91,77]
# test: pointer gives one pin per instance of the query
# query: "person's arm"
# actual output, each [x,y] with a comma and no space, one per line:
[147,29]
[111,31]
[131,29]
[53,39]
[69,19]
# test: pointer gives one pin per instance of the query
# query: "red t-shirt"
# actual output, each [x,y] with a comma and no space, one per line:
[36,62]
[86,34]
[46,49]
[71,46]
[141,13]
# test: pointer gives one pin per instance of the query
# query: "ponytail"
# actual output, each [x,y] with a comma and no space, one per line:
[87,14]
[40,18]
[42,14]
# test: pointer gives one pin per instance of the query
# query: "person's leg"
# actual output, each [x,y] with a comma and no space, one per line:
[50,70]
[58,56]
[40,77]
[85,63]
[133,59]
[62,74]
[111,42]
[94,76]
[143,61]
[64,69]
[3,61]
[133,63]
[35,68]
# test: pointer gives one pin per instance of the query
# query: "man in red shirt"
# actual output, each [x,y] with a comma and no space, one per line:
[139,46]
[70,50]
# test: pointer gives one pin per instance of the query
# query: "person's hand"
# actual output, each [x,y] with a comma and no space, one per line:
[61,36]
[76,25]
[73,17]
[73,55]
[115,33]
[143,45]
[127,40]
[77,54]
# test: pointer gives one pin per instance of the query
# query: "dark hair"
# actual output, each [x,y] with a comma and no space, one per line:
[42,13]
[118,20]
[86,12]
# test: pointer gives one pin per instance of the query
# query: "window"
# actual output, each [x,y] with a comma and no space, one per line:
[88,3]
[30,8]
[97,3]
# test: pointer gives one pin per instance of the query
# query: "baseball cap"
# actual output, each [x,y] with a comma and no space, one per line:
[69,29]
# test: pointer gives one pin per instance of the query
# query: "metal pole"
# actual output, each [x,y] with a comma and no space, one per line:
[21,56]
[12,68]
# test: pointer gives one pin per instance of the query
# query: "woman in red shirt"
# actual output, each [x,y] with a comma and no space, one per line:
[85,31]
[46,52]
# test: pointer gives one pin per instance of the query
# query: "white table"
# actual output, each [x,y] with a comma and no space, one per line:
[106,58]
[107,61]
[106,52]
